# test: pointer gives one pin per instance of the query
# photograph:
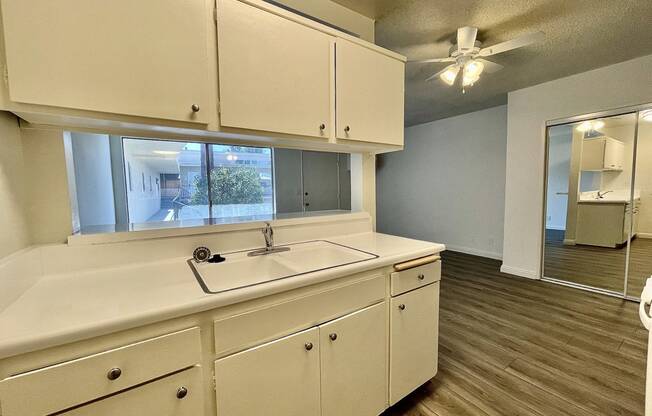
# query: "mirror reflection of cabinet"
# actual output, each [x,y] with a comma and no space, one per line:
[602,153]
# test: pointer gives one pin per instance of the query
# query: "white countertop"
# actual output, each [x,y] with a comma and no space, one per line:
[63,308]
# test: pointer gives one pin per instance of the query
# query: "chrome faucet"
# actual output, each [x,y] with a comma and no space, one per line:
[268,233]
[602,194]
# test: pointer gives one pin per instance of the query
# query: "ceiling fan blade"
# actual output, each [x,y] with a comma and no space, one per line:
[433,76]
[425,61]
[490,67]
[518,42]
[466,38]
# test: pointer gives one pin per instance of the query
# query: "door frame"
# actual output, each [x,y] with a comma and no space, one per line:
[635,109]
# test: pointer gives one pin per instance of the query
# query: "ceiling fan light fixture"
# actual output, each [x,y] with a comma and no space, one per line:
[450,74]
[647,115]
[590,125]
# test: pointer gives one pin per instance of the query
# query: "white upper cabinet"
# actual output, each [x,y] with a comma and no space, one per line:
[274,74]
[144,58]
[370,89]
[603,154]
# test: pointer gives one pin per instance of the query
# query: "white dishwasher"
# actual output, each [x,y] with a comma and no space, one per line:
[646,300]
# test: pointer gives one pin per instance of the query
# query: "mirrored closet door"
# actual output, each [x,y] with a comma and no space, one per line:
[597,201]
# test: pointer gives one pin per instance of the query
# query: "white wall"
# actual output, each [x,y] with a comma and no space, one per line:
[624,84]
[448,184]
[559,152]
[14,229]
[93,179]
[643,180]
[142,204]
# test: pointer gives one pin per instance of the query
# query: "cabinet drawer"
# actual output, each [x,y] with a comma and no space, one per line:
[415,277]
[250,328]
[163,397]
[71,383]
[414,332]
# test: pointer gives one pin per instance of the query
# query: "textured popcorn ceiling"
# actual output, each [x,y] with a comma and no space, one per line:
[580,35]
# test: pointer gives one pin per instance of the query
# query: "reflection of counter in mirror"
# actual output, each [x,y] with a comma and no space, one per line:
[605,222]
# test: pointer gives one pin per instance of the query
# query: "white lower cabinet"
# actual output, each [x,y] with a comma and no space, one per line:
[277,378]
[353,353]
[338,368]
[179,394]
[414,329]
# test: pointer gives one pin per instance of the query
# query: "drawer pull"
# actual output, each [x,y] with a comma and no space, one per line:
[333,336]
[401,306]
[308,346]
[421,276]
[182,392]
[114,374]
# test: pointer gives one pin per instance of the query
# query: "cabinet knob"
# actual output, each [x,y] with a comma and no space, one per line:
[401,306]
[347,129]
[182,392]
[322,126]
[332,336]
[421,276]
[195,108]
[114,374]
[308,346]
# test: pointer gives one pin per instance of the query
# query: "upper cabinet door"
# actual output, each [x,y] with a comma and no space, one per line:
[354,363]
[143,58]
[274,74]
[369,94]
[277,378]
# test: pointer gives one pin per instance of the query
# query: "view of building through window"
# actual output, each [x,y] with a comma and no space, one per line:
[198,180]
[124,183]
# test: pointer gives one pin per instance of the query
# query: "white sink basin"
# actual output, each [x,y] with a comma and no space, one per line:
[240,270]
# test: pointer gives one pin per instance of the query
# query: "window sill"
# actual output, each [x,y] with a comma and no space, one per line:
[145,231]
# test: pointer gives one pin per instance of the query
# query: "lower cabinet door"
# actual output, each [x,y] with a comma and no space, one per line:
[354,363]
[180,394]
[277,378]
[414,329]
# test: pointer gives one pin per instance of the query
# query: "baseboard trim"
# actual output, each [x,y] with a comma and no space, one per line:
[474,251]
[517,271]
[569,242]
[644,235]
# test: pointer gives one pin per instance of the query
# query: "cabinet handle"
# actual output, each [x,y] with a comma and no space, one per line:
[322,126]
[347,129]
[114,374]
[421,276]
[182,392]
[401,306]
[308,346]
[194,108]
[333,336]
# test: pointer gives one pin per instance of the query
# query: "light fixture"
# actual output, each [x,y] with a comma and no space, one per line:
[231,157]
[450,74]
[472,71]
[647,115]
[589,125]
[165,152]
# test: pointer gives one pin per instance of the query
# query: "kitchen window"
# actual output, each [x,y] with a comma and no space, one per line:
[126,183]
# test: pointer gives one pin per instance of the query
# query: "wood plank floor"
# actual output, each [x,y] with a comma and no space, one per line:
[598,266]
[511,346]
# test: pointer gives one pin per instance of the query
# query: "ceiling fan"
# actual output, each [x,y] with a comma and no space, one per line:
[468,56]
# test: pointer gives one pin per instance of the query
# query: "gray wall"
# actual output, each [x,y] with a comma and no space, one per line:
[93,179]
[448,184]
